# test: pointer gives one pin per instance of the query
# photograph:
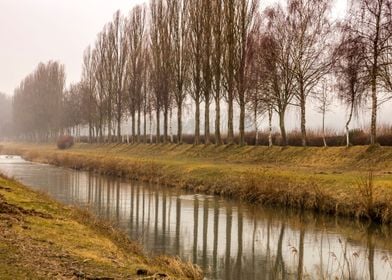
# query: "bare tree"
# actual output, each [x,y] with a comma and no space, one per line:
[259,95]
[118,51]
[310,27]
[160,64]
[37,104]
[179,32]
[5,115]
[245,19]
[196,40]
[108,63]
[89,88]
[229,63]
[276,48]
[98,56]
[371,20]
[207,67]
[218,50]
[136,66]
[350,75]
[324,98]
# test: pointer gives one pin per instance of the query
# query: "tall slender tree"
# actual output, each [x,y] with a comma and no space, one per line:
[371,21]
[311,29]
[179,37]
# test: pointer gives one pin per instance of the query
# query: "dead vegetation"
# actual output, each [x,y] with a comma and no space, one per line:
[321,180]
[40,239]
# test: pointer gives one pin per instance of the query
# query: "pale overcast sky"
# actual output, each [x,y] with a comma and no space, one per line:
[32,31]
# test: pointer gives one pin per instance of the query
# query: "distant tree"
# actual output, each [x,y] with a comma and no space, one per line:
[350,74]
[218,50]
[5,115]
[160,63]
[259,92]
[275,53]
[89,88]
[323,95]
[118,52]
[246,10]
[207,65]
[136,66]
[179,38]
[37,103]
[75,109]
[98,57]
[371,21]
[229,32]
[311,30]
[196,47]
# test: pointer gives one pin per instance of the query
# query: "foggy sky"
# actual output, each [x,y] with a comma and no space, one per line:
[33,31]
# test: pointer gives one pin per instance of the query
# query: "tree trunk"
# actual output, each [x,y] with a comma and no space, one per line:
[373,126]
[218,137]
[282,128]
[197,122]
[303,118]
[323,127]
[170,125]
[90,131]
[207,120]
[119,129]
[165,123]
[109,128]
[158,135]
[100,128]
[230,126]
[150,126]
[242,121]
[133,121]
[179,123]
[270,127]
[144,127]
[374,76]
[139,113]
[256,127]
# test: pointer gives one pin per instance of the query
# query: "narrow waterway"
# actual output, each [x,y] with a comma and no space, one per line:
[228,239]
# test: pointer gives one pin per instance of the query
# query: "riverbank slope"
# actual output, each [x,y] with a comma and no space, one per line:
[41,239]
[329,180]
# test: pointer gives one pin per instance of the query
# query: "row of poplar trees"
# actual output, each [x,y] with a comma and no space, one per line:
[168,53]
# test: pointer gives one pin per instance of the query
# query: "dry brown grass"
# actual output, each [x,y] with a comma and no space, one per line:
[318,179]
[70,243]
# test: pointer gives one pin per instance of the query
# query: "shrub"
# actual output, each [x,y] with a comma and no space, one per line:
[359,137]
[65,142]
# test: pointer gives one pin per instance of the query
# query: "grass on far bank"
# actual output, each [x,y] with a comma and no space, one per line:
[41,239]
[319,179]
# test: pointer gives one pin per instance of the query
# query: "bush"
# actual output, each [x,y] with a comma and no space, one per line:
[65,142]
[314,138]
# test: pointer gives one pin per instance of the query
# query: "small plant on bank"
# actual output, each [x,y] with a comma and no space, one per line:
[366,189]
[65,142]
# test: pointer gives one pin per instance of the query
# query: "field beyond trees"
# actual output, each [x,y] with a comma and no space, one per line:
[354,182]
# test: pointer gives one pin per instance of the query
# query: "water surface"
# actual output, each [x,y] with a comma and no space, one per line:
[228,239]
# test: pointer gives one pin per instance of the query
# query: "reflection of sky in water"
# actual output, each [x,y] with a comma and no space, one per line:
[227,239]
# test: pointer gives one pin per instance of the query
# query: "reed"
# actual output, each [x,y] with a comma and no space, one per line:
[322,180]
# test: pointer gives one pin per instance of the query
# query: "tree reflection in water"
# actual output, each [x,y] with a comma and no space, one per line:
[228,239]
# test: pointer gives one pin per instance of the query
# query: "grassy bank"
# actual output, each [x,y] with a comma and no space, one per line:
[328,180]
[41,239]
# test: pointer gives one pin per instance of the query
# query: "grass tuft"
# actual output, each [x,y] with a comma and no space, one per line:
[318,179]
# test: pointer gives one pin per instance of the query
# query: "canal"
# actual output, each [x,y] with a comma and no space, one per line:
[228,239]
